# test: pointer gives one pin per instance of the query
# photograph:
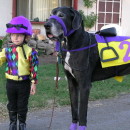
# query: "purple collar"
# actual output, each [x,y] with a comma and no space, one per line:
[59,20]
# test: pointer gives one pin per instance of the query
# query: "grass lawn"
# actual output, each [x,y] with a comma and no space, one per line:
[46,88]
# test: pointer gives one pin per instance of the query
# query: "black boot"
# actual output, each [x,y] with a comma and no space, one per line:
[13,120]
[22,121]
[22,126]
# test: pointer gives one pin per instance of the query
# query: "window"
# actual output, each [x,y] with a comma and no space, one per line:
[39,8]
[108,12]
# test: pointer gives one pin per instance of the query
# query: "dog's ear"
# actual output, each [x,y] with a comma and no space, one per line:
[53,12]
[77,20]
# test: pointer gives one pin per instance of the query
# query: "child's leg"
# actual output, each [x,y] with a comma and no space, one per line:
[13,120]
[22,104]
[12,103]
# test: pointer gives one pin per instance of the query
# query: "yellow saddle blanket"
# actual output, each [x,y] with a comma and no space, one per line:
[113,51]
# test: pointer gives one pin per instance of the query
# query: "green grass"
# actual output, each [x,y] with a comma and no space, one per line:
[109,88]
[3,98]
[46,90]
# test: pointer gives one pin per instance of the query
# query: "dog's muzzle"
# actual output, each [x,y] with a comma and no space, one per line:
[61,22]
[48,27]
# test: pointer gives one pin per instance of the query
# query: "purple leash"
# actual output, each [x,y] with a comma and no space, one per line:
[57,48]
[80,49]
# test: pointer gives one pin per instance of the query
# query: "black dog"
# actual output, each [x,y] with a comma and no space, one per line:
[80,59]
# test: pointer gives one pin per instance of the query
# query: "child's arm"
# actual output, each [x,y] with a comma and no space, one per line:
[2,57]
[34,67]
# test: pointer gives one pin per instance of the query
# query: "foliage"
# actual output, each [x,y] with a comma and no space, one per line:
[89,3]
[89,20]
[3,40]
[82,13]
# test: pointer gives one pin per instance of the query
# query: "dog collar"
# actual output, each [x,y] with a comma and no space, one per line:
[59,20]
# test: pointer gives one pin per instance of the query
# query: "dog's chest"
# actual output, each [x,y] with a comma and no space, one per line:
[67,65]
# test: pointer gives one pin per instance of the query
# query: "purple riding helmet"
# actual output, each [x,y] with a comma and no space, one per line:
[19,24]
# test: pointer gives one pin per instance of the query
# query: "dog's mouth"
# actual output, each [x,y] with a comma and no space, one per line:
[53,37]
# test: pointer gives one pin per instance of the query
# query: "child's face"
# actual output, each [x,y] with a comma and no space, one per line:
[17,38]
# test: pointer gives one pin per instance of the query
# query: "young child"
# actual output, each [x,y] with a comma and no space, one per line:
[21,71]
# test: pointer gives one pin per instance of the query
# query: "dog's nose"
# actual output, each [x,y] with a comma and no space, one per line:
[47,25]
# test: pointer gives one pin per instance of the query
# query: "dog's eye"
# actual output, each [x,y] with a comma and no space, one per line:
[61,15]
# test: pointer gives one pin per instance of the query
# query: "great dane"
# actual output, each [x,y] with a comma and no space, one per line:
[80,59]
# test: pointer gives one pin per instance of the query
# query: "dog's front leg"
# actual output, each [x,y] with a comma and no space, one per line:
[83,106]
[74,94]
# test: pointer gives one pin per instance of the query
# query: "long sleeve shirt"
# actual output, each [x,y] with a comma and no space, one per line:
[20,65]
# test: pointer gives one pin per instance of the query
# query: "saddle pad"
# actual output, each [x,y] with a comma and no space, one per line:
[121,45]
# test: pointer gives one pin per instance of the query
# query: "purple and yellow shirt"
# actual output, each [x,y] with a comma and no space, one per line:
[17,66]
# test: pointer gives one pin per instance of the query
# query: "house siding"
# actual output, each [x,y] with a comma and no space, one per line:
[125,23]
[87,11]
[5,15]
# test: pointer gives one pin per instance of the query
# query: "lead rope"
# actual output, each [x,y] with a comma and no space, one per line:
[54,100]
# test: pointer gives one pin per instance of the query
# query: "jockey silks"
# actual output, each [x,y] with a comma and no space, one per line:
[17,66]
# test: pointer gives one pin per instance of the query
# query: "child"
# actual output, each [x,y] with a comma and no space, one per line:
[21,71]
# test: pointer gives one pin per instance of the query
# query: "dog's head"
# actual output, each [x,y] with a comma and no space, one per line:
[71,19]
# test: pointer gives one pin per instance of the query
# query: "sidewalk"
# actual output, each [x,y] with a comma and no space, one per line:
[109,114]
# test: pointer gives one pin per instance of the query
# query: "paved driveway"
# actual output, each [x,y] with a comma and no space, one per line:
[109,114]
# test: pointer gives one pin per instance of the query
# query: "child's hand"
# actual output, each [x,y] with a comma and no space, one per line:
[33,89]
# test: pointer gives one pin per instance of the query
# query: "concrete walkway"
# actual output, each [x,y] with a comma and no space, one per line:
[109,114]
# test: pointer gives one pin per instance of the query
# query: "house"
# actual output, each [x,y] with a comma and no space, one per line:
[108,11]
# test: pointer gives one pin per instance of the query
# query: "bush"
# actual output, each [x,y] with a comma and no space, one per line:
[89,3]
[89,20]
